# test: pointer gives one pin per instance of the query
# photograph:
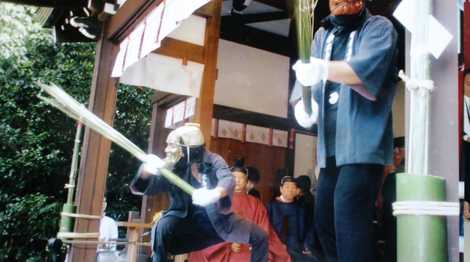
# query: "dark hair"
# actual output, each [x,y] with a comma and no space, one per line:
[303,182]
[288,179]
[253,174]
[399,142]
[240,169]
[466,71]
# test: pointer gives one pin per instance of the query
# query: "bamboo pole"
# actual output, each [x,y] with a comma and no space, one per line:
[423,237]
[67,222]
[304,14]
[73,169]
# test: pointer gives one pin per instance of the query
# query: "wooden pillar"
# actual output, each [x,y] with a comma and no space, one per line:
[466,34]
[205,105]
[133,236]
[95,150]
[157,142]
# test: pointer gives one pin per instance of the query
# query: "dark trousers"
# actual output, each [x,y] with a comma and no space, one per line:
[175,235]
[344,211]
[466,168]
[389,220]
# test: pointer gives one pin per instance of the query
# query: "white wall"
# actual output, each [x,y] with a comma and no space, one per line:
[305,155]
[399,111]
[444,155]
[252,79]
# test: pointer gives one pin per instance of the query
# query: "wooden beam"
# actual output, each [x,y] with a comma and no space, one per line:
[255,18]
[128,17]
[206,10]
[205,103]
[95,150]
[50,3]
[281,4]
[250,36]
[180,49]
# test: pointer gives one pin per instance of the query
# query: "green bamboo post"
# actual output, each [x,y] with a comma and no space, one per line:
[421,238]
[67,222]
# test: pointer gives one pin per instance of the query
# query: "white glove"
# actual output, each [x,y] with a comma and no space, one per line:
[309,74]
[204,197]
[304,120]
[152,164]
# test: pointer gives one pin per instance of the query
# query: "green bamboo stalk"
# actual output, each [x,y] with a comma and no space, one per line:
[304,22]
[71,107]
[73,168]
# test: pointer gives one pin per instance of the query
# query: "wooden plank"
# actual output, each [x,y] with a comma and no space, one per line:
[180,49]
[134,224]
[95,150]
[206,98]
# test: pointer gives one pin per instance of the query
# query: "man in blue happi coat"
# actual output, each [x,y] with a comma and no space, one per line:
[352,74]
[193,222]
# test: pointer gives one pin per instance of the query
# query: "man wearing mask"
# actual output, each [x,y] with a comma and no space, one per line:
[352,75]
[193,222]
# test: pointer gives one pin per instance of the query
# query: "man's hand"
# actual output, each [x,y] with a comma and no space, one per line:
[305,120]
[204,197]
[236,247]
[152,164]
[309,74]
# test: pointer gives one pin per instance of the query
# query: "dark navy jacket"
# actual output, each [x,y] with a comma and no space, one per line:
[363,127]
[364,131]
[220,214]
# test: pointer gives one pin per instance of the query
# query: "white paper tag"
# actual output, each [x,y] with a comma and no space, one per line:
[460,4]
[405,13]
[439,37]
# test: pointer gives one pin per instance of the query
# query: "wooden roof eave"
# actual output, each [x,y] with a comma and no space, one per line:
[51,3]
[132,12]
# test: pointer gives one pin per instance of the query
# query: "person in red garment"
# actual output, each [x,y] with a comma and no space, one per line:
[254,210]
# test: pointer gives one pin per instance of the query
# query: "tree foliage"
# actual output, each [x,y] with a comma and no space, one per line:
[36,140]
